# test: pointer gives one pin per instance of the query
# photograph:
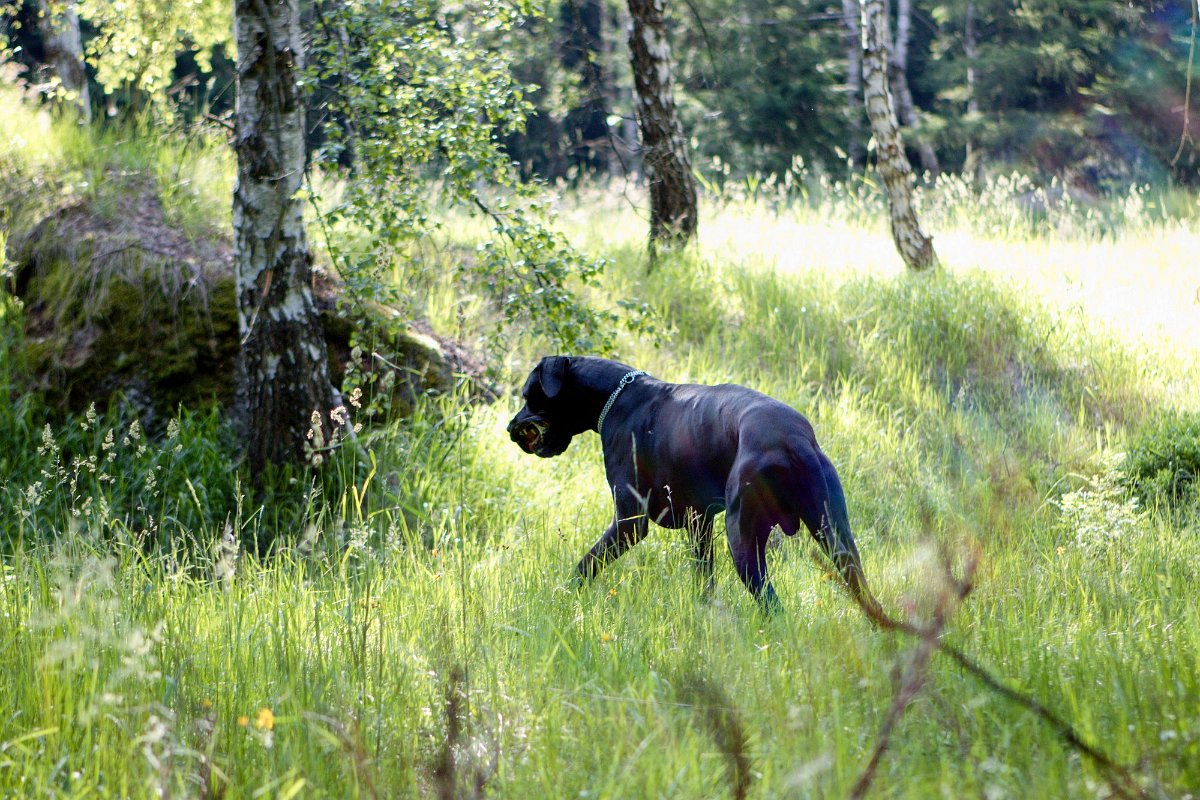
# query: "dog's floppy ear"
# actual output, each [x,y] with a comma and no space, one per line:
[552,374]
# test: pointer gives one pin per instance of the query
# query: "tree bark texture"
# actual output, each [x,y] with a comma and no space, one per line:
[915,248]
[971,164]
[283,371]
[59,25]
[852,19]
[673,217]
[905,107]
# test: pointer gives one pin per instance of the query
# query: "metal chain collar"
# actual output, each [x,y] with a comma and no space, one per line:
[626,379]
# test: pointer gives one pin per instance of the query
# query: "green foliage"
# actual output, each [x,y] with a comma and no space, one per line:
[1066,88]
[536,47]
[451,552]
[1100,515]
[104,477]
[759,82]
[137,41]
[432,559]
[418,107]
[1090,91]
[1163,464]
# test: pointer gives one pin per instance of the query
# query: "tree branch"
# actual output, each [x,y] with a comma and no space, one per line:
[1118,777]
[1185,135]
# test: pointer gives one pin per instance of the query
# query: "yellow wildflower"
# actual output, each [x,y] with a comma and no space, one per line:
[266,719]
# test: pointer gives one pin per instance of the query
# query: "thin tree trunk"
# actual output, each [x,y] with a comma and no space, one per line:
[852,19]
[915,248]
[673,216]
[587,125]
[972,164]
[905,108]
[59,25]
[283,372]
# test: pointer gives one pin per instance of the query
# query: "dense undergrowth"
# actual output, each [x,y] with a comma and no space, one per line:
[401,624]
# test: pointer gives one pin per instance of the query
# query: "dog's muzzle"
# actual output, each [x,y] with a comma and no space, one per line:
[528,434]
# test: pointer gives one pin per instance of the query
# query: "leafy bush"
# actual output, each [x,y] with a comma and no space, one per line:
[1100,513]
[1164,461]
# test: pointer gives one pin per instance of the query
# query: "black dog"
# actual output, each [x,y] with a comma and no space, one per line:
[680,454]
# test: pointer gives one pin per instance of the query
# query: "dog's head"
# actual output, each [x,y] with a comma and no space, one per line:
[545,425]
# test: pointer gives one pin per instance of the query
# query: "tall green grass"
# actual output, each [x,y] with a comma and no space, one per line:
[48,164]
[404,621]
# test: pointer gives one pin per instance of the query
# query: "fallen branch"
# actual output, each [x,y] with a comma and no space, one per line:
[457,775]
[720,716]
[1118,777]
[953,594]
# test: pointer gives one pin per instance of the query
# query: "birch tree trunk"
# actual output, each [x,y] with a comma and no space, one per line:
[673,216]
[284,389]
[905,107]
[59,26]
[972,165]
[915,248]
[856,148]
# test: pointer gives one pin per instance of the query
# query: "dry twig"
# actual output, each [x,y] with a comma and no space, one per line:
[953,592]
[449,773]
[720,716]
[1118,777]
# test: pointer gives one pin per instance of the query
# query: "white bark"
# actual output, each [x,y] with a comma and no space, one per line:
[851,18]
[283,371]
[972,165]
[915,248]
[673,213]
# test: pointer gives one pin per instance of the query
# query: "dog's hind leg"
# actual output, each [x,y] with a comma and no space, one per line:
[747,536]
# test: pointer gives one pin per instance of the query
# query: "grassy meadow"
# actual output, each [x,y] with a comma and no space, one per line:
[413,631]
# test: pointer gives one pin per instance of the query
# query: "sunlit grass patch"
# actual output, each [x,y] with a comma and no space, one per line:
[1132,276]
[51,163]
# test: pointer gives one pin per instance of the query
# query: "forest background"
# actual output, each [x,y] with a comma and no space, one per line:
[1090,92]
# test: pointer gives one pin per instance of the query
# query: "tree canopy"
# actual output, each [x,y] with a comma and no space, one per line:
[1090,91]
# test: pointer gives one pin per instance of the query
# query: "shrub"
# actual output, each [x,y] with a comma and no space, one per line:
[1100,514]
[1164,461]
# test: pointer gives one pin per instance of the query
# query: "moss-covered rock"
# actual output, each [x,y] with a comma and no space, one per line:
[130,308]
[132,338]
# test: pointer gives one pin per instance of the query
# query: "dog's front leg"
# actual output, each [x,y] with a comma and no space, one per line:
[700,531]
[629,526]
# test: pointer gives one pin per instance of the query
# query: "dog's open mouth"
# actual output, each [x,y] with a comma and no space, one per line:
[529,435]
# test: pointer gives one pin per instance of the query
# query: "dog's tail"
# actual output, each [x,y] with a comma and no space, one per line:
[837,540]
